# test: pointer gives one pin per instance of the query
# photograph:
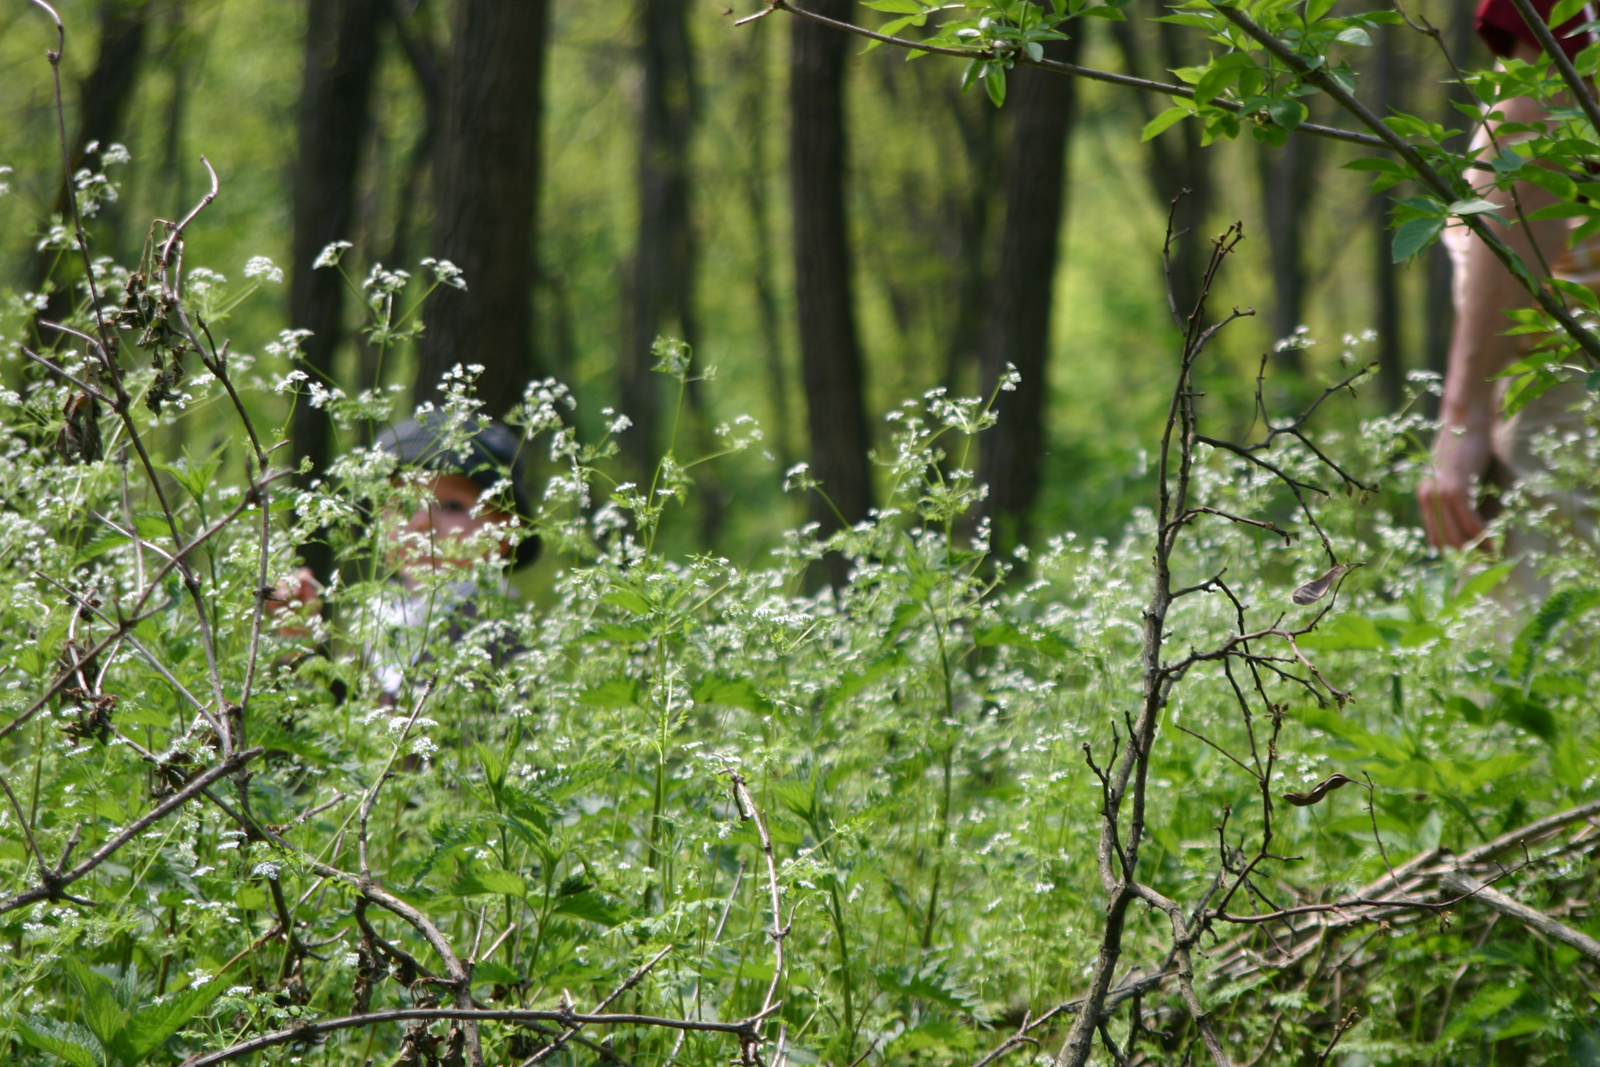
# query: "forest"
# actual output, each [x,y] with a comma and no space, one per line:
[786,532]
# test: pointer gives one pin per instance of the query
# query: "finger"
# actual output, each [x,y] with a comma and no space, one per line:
[1428,501]
[1468,522]
[1459,523]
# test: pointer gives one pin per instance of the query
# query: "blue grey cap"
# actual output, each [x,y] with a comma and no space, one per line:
[492,453]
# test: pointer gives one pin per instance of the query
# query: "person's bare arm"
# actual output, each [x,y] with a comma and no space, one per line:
[1479,350]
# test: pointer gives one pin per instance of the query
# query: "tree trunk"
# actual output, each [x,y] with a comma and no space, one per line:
[341,56]
[1288,183]
[1179,169]
[1385,277]
[830,353]
[662,289]
[1018,332]
[752,66]
[175,57]
[422,56]
[102,109]
[485,195]
[971,218]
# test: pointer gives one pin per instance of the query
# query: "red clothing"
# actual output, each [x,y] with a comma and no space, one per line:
[1501,27]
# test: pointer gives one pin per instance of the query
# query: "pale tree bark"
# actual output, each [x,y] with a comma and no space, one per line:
[1021,296]
[661,290]
[487,168]
[830,351]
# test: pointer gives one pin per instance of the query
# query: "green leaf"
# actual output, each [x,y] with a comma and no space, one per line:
[1526,713]
[1471,774]
[1004,633]
[1412,237]
[71,1042]
[1330,722]
[494,972]
[1474,206]
[1288,113]
[1584,1048]
[502,883]
[1581,293]
[1345,632]
[733,692]
[929,982]
[1569,764]
[592,906]
[1528,388]
[152,1026]
[1219,75]
[481,881]
[1480,585]
[1164,121]
[628,600]
[894,7]
[1564,11]
[617,693]
[1464,707]
[994,81]
[1355,35]
[104,1016]
[890,28]
[1559,607]
[1563,211]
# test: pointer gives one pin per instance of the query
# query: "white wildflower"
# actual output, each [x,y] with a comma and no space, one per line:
[330,256]
[264,268]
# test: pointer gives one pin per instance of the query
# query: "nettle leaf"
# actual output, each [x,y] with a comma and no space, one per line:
[593,906]
[628,600]
[1005,633]
[71,1042]
[931,982]
[494,972]
[1345,632]
[1558,609]
[478,881]
[102,1010]
[150,1027]
[617,693]
[854,683]
[734,692]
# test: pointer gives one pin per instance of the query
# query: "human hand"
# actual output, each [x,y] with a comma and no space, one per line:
[294,600]
[1461,457]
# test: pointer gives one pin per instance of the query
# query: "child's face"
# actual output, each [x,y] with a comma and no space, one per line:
[441,531]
